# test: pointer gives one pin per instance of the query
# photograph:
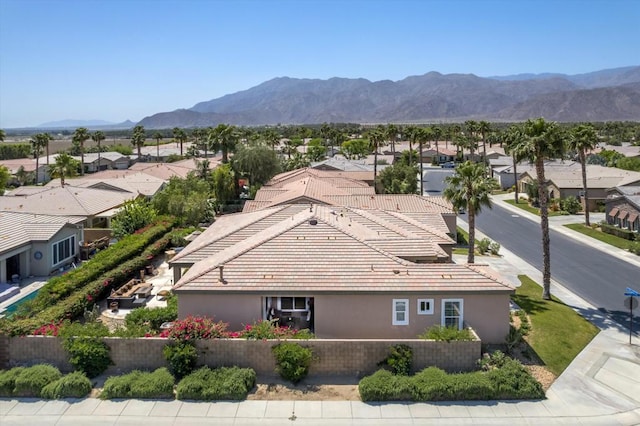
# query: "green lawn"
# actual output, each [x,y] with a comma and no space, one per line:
[533,210]
[602,236]
[558,333]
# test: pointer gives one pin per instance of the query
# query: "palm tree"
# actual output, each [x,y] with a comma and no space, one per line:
[424,135]
[36,148]
[158,137]
[541,140]
[484,128]
[469,188]
[2,135]
[392,134]
[411,133]
[98,137]
[225,139]
[376,137]
[138,138]
[180,136]
[80,136]
[65,166]
[271,138]
[583,138]
[471,126]
[45,139]
[511,137]
[436,133]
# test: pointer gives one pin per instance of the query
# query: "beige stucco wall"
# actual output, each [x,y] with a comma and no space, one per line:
[359,316]
[335,357]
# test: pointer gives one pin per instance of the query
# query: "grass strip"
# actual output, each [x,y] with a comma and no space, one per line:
[621,243]
[558,333]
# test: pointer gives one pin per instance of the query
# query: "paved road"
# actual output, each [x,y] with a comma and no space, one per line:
[597,277]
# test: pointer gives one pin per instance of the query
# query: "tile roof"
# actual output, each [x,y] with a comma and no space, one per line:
[133,182]
[568,174]
[67,201]
[302,256]
[166,171]
[17,229]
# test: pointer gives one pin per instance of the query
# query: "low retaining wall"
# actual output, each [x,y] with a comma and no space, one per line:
[332,357]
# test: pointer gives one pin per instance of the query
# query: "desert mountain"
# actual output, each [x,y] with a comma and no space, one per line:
[599,96]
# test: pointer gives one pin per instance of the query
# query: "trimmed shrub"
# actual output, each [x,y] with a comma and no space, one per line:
[223,383]
[31,380]
[483,245]
[139,384]
[73,385]
[88,354]
[400,359]
[494,248]
[384,386]
[513,381]
[182,358]
[267,329]
[292,361]
[8,381]
[446,334]
[618,232]
[152,318]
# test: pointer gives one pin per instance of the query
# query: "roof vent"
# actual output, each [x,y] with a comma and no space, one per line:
[313,222]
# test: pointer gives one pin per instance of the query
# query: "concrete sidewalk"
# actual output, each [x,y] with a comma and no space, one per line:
[600,387]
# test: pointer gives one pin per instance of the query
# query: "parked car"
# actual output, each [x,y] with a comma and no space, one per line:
[448,165]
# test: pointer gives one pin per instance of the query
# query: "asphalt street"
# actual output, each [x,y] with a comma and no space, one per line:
[599,278]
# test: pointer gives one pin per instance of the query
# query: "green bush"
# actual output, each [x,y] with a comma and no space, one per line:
[400,359]
[139,384]
[223,383]
[483,245]
[74,385]
[292,361]
[513,338]
[571,205]
[513,381]
[152,318]
[497,359]
[446,334]
[88,354]
[494,248]
[635,248]
[8,381]
[618,232]
[182,358]
[384,386]
[31,380]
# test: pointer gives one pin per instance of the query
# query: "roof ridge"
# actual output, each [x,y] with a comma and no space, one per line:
[478,268]
[420,225]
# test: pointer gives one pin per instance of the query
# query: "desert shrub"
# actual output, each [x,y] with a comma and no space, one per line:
[139,384]
[433,384]
[512,339]
[383,385]
[292,361]
[513,381]
[8,381]
[400,359]
[223,383]
[497,359]
[494,248]
[483,245]
[88,354]
[571,205]
[525,325]
[31,380]
[447,334]
[73,385]
[182,358]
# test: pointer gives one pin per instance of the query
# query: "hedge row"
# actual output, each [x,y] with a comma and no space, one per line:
[618,232]
[511,381]
[60,287]
[139,384]
[44,381]
[85,296]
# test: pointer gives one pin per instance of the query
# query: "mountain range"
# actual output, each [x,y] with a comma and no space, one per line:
[606,95]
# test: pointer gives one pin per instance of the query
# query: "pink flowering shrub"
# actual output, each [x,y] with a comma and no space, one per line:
[196,328]
[47,330]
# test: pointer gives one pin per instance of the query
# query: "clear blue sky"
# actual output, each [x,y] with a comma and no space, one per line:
[126,59]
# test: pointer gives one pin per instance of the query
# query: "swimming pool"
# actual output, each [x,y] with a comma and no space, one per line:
[12,308]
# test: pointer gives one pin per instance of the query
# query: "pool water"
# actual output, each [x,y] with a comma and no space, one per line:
[12,308]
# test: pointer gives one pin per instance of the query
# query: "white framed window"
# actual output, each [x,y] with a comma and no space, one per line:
[63,250]
[425,306]
[293,304]
[400,312]
[453,313]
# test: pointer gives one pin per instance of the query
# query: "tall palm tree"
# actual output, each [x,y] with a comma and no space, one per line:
[424,135]
[583,138]
[80,136]
[436,133]
[376,137]
[180,136]
[36,148]
[226,138]
[64,167]
[471,137]
[411,133]
[137,139]
[484,128]
[45,138]
[98,137]
[392,134]
[541,140]
[512,136]
[469,188]
[2,135]
[158,137]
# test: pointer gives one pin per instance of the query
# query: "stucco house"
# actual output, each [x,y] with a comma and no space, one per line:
[36,244]
[622,207]
[347,272]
